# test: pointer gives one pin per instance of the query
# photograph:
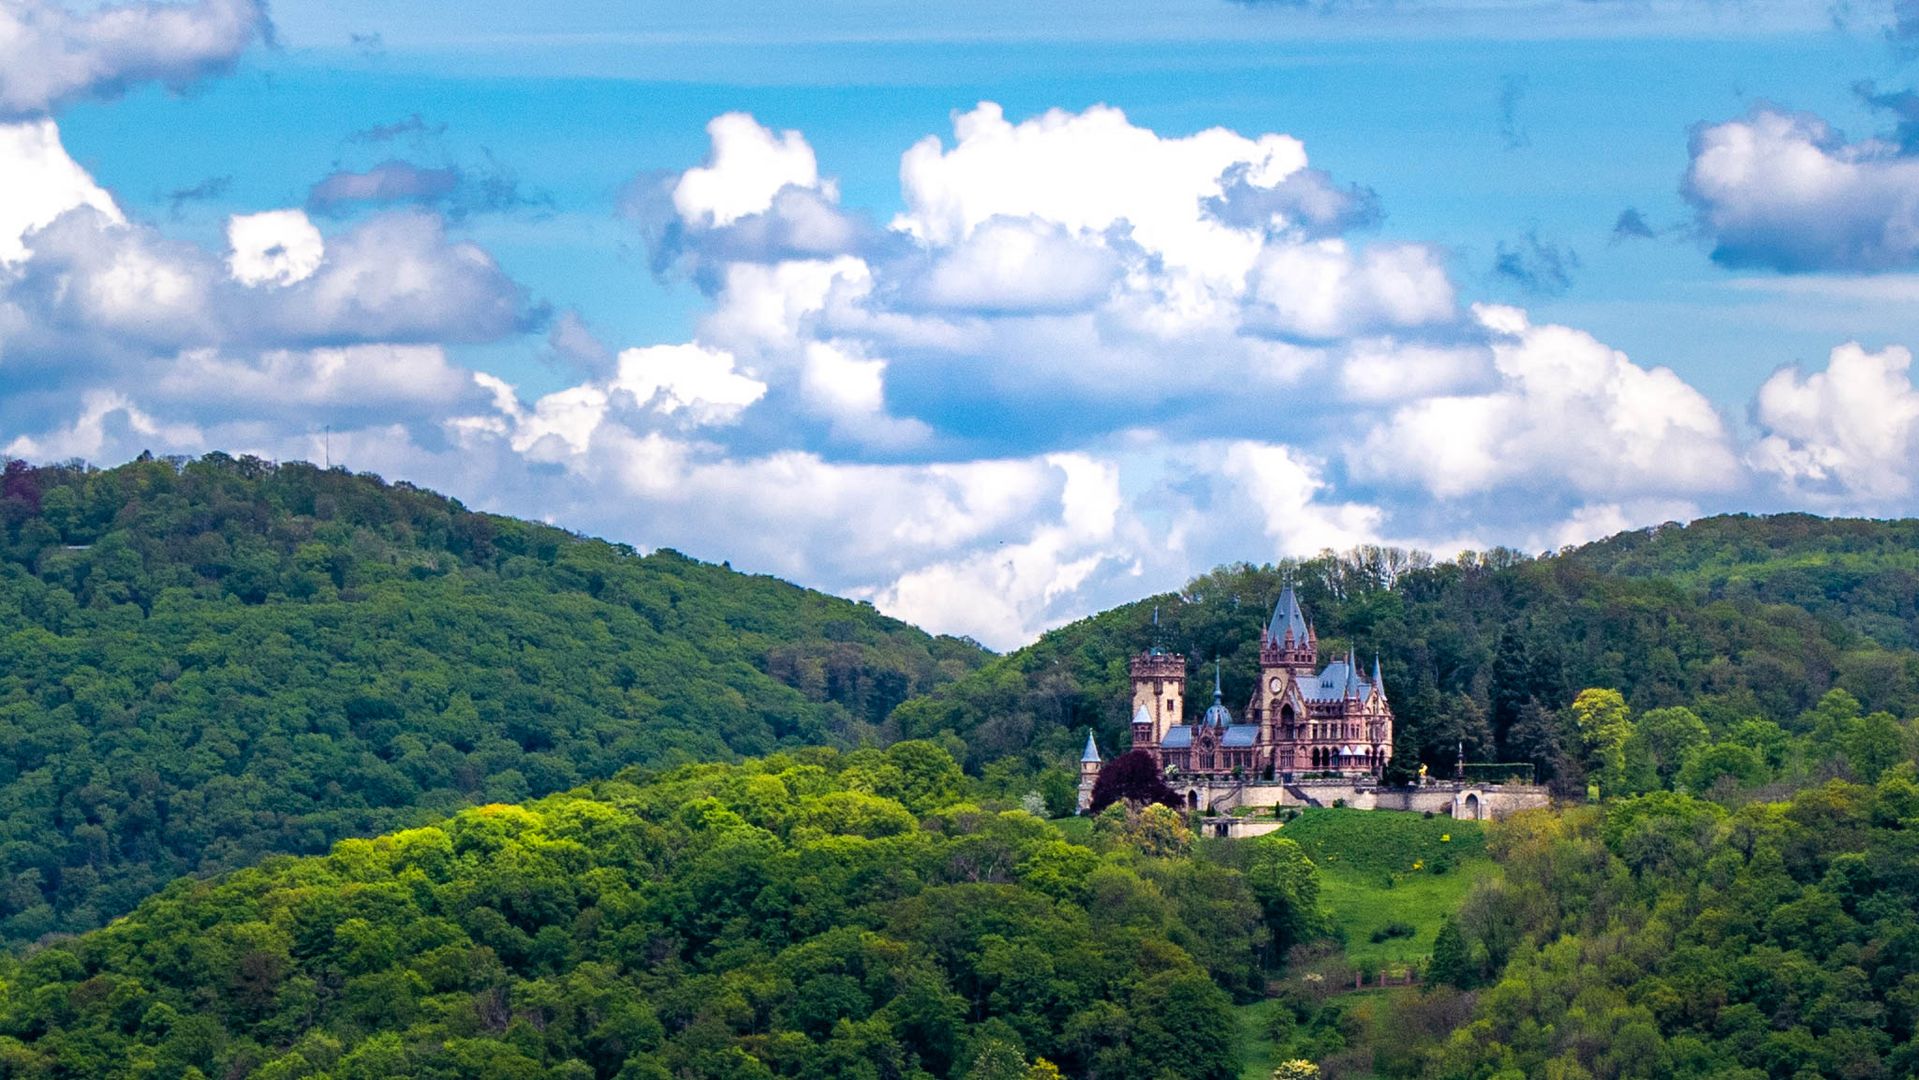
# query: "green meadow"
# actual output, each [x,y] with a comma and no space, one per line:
[1383,873]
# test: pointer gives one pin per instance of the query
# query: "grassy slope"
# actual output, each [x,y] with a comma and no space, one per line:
[1367,880]
[1367,876]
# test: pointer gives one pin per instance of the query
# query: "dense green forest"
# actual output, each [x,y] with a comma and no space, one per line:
[227,667]
[1737,904]
[810,914]
[825,914]
[1666,936]
[1738,618]
[205,662]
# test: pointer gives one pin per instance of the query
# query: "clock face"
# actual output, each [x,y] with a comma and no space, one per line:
[1275,684]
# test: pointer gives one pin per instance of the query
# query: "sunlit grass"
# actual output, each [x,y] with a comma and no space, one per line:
[1361,906]
[1379,867]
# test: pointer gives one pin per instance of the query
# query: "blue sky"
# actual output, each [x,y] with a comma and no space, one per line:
[1454,273]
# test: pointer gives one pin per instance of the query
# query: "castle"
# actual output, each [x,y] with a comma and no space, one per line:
[1302,720]
[1309,737]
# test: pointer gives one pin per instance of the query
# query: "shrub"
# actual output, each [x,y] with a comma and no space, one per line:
[1393,930]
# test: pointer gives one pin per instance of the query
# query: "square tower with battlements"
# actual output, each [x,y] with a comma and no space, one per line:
[1159,695]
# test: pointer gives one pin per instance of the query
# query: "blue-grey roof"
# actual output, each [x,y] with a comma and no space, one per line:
[1180,737]
[1092,749]
[1142,716]
[1287,616]
[1332,683]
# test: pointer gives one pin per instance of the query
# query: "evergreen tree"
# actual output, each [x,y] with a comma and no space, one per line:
[1512,673]
[1451,964]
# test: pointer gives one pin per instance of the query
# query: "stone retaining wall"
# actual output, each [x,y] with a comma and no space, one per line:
[1479,802]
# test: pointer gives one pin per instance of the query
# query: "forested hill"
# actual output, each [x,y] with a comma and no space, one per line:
[810,914]
[205,662]
[1735,617]
[1865,573]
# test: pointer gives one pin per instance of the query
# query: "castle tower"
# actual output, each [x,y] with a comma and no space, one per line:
[1159,693]
[1288,640]
[1288,650]
[1089,764]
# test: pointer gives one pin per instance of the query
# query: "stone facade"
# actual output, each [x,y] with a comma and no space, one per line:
[1466,801]
[1302,719]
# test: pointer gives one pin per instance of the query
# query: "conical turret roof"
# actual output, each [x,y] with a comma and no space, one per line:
[1288,617]
[1091,754]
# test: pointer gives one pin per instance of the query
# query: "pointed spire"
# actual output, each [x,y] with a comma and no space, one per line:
[1352,674]
[1091,754]
[1378,683]
[1288,625]
[1219,716]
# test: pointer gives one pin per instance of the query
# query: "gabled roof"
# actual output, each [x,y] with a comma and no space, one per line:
[1287,616]
[1241,735]
[1334,683]
[1178,737]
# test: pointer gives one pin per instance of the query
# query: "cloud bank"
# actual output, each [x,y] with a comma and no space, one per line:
[1084,360]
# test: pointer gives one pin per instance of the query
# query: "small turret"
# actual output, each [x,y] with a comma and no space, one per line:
[1218,716]
[1089,765]
[1379,684]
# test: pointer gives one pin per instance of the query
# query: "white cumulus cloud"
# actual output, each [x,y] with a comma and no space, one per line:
[51,54]
[276,247]
[1567,412]
[40,182]
[1844,434]
[1786,191]
[747,168]
[701,381]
